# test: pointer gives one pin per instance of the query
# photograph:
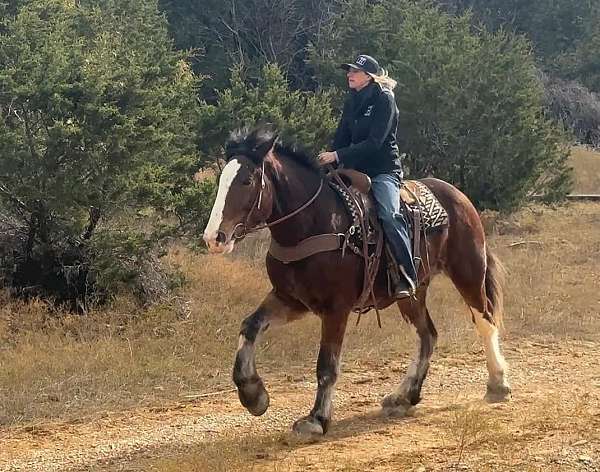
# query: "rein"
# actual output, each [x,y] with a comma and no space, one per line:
[289,215]
[256,205]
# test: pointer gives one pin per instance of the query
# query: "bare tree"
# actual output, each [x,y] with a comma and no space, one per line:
[576,107]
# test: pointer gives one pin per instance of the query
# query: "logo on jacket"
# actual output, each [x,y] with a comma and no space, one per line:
[369,110]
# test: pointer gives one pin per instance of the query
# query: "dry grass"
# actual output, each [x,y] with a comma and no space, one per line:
[470,426]
[61,367]
[67,366]
[229,455]
[586,167]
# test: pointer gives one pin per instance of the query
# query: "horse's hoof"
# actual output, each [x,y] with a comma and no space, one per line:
[308,426]
[498,394]
[394,406]
[254,397]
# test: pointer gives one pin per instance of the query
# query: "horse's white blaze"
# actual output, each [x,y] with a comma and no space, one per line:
[216,215]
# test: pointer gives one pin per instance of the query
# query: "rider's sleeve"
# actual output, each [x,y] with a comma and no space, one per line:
[343,133]
[381,124]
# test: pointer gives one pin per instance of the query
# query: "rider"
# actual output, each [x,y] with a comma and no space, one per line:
[365,140]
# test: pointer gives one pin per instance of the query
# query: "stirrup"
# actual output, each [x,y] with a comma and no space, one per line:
[402,293]
[404,288]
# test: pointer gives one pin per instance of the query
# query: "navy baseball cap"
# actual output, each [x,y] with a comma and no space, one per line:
[365,63]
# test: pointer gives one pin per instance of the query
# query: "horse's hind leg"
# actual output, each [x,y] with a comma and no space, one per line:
[479,282]
[408,393]
[251,389]
[333,328]
[498,389]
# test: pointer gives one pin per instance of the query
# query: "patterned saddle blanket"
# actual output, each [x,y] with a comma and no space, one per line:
[418,197]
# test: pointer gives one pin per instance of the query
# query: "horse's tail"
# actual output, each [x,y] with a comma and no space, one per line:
[495,275]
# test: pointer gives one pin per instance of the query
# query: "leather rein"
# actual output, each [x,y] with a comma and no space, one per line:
[256,205]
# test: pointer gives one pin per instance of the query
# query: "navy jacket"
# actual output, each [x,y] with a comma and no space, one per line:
[365,139]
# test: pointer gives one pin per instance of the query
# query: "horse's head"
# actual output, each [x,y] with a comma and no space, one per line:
[244,199]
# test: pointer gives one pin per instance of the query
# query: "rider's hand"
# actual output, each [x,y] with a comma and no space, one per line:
[327,158]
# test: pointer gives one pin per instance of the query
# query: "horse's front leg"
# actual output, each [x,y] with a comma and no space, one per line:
[333,328]
[272,311]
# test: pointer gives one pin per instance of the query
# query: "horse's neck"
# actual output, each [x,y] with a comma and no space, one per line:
[297,186]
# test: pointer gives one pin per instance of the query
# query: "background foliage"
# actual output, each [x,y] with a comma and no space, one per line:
[96,144]
[107,109]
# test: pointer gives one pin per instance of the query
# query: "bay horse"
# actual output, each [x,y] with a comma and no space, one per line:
[266,184]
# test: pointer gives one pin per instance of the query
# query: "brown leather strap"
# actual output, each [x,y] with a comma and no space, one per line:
[417,242]
[360,181]
[289,215]
[370,269]
[306,248]
[417,227]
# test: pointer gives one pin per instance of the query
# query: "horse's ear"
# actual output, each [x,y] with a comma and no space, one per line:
[264,148]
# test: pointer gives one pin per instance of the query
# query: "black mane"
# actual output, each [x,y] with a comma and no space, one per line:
[252,142]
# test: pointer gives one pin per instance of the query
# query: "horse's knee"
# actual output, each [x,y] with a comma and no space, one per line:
[252,325]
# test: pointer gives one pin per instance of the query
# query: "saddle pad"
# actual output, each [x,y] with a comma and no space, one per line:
[417,196]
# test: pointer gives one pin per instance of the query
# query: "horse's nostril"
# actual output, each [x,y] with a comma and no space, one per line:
[221,238]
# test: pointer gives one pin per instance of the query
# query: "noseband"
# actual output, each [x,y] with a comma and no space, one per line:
[243,226]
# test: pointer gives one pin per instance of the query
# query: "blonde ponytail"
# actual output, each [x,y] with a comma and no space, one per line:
[384,80]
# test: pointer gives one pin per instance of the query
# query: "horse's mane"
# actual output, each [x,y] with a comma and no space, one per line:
[252,143]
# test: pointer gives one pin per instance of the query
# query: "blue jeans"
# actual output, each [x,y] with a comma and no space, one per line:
[386,190]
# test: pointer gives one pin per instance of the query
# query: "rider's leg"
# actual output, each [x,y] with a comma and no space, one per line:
[386,190]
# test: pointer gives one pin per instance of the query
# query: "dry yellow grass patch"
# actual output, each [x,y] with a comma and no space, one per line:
[586,169]
[55,366]
[553,258]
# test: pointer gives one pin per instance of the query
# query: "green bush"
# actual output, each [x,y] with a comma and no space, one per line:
[302,118]
[97,116]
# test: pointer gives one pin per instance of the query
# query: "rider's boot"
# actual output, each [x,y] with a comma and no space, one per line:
[404,286]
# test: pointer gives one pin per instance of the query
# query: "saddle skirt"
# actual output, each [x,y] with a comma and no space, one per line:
[424,214]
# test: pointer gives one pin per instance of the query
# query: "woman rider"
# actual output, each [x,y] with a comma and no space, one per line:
[365,140]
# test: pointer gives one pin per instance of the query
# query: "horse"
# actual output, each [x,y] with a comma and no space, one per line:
[268,184]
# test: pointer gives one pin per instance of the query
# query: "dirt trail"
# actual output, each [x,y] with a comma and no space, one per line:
[553,422]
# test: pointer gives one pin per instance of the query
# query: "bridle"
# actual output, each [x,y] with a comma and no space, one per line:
[241,230]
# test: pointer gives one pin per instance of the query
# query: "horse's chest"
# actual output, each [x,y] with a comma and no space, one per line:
[320,282]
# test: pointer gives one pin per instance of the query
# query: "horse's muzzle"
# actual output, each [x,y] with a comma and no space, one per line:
[218,243]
